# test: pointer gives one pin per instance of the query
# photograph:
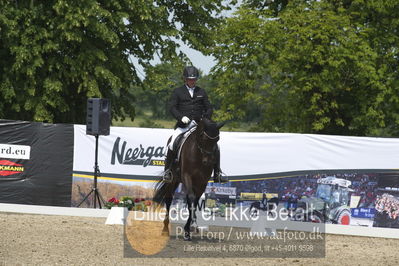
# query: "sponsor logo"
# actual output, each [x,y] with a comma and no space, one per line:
[145,156]
[363,212]
[14,151]
[230,191]
[10,168]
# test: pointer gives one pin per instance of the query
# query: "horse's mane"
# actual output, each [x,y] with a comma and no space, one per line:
[210,128]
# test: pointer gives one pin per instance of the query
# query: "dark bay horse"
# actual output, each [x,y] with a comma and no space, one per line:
[193,170]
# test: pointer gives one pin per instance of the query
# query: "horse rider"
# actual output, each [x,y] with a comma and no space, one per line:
[264,198]
[187,104]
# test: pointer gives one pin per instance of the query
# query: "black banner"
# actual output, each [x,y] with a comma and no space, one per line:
[36,162]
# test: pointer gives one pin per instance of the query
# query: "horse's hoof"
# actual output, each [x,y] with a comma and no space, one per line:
[187,237]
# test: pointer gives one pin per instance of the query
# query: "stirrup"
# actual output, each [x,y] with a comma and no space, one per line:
[219,178]
[167,176]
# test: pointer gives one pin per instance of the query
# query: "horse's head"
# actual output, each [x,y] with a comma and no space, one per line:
[208,135]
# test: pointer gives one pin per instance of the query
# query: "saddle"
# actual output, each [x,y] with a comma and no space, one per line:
[180,140]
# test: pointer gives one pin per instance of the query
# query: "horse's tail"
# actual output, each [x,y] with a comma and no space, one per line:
[163,191]
[252,206]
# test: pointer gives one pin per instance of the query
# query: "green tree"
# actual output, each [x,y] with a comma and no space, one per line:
[55,54]
[324,66]
[158,85]
[161,80]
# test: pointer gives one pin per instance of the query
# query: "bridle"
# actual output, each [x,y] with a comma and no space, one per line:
[202,149]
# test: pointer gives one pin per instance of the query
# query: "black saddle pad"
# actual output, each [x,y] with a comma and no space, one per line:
[178,142]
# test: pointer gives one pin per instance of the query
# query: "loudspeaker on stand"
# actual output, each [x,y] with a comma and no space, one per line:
[98,118]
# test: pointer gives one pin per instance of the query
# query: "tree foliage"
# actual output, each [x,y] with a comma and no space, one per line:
[55,54]
[159,83]
[326,66]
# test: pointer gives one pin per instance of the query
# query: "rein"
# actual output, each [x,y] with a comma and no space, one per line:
[202,150]
[209,137]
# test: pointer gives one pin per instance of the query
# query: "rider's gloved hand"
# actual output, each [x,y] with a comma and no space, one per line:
[185,120]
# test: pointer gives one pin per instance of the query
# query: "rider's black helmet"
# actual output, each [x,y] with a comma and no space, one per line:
[190,72]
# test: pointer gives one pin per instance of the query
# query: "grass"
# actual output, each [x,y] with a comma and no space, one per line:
[145,119]
[142,121]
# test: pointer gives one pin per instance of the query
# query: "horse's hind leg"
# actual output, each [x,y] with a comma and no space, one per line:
[168,203]
[165,230]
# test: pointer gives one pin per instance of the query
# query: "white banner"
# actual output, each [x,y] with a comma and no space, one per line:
[15,151]
[261,153]
[126,151]
[139,152]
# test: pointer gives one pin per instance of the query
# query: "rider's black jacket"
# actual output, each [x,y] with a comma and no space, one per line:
[182,104]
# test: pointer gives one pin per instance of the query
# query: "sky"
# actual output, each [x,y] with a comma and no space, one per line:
[200,61]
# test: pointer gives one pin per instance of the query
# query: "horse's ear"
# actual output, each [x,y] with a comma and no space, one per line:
[220,125]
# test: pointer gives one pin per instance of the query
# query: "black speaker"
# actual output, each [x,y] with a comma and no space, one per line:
[98,118]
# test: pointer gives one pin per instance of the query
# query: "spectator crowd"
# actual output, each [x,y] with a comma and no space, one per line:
[297,187]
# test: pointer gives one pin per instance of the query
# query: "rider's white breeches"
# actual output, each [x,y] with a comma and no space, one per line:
[179,131]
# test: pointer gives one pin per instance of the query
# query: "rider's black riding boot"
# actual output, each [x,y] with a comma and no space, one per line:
[217,172]
[170,157]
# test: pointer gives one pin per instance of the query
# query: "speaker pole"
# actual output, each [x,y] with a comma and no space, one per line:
[96,174]
[96,196]
[98,120]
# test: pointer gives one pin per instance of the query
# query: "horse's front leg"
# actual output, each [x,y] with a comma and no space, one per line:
[194,222]
[191,215]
